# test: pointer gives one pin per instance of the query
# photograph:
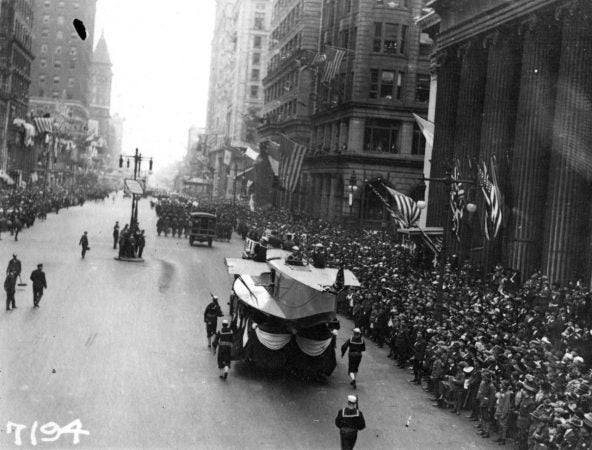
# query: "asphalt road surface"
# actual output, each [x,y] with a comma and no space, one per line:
[117,357]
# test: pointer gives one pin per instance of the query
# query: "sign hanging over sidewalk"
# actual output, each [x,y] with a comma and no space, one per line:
[133,187]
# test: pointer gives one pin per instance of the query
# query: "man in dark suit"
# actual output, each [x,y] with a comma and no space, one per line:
[39,283]
[10,288]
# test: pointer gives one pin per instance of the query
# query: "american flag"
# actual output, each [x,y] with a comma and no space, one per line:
[492,196]
[334,58]
[43,124]
[457,200]
[292,155]
[406,206]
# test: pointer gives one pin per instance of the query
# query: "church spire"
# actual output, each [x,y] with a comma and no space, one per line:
[101,53]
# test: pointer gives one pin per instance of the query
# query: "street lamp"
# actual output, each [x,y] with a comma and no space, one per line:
[353,187]
[137,158]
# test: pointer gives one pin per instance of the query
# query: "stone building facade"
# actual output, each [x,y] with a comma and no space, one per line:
[513,82]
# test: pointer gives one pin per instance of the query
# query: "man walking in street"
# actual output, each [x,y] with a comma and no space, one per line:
[350,420]
[115,234]
[356,346]
[141,243]
[39,283]
[14,265]
[223,342]
[84,243]
[10,288]
[211,314]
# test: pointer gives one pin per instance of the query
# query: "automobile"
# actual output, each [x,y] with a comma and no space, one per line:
[273,237]
[203,228]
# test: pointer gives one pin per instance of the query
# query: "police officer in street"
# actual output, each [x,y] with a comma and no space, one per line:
[350,420]
[211,314]
[223,342]
[39,283]
[115,235]
[14,265]
[10,288]
[84,242]
[356,346]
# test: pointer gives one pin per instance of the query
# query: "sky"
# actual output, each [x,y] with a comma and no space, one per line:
[160,53]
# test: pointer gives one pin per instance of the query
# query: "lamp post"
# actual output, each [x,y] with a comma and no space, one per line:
[447,180]
[352,188]
[137,158]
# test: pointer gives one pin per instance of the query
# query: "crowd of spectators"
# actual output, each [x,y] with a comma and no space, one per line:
[515,357]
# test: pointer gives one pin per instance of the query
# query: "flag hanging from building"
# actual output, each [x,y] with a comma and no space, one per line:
[457,200]
[394,214]
[292,156]
[406,206]
[426,127]
[334,58]
[43,124]
[491,192]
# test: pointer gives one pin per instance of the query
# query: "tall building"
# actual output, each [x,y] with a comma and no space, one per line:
[238,63]
[61,72]
[513,92]
[100,97]
[16,27]
[364,137]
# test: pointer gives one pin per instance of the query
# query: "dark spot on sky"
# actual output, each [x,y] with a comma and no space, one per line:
[80,29]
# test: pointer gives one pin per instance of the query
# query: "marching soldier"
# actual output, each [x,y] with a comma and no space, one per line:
[211,314]
[14,265]
[84,242]
[350,420]
[223,341]
[356,345]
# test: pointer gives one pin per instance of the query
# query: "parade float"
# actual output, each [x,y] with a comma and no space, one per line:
[284,315]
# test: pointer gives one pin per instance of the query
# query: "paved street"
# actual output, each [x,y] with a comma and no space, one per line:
[127,344]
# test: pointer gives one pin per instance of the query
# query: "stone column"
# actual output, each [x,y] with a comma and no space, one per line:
[497,128]
[445,119]
[332,200]
[565,252]
[467,134]
[323,197]
[530,159]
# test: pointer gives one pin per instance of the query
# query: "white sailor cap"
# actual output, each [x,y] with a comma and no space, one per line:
[357,330]
[352,398]
[225,322]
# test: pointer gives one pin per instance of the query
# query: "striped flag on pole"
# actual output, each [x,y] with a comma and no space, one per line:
[334,58]
[292,156]
[406,206]
[493,199]
[43,124]
[457,200]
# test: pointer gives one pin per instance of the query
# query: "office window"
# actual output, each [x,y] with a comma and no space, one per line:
[259,21]
[58,50]
[56,80]
[256,58]
[400,81]
[55,94]
[403,47]
[254,91]
[72,64]
[57,64]
[387,78]
[47,3]
[373,83]
[390,38]
[380,135]
[43,48]
[60,20]
[257,42]
[73,51]
[41,79]
[377,47]
[422,88]
[41,92]
[45,19]
[425,44]
[43,63]
[419,143]
[71,82]
[45,33]
[254,74]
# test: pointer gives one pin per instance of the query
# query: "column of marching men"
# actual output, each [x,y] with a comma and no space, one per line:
[514,357]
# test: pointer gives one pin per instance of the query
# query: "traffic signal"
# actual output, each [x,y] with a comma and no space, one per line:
[120,161]
[150,165]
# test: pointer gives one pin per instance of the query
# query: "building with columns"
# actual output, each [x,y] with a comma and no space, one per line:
[513,82]
[363,130]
